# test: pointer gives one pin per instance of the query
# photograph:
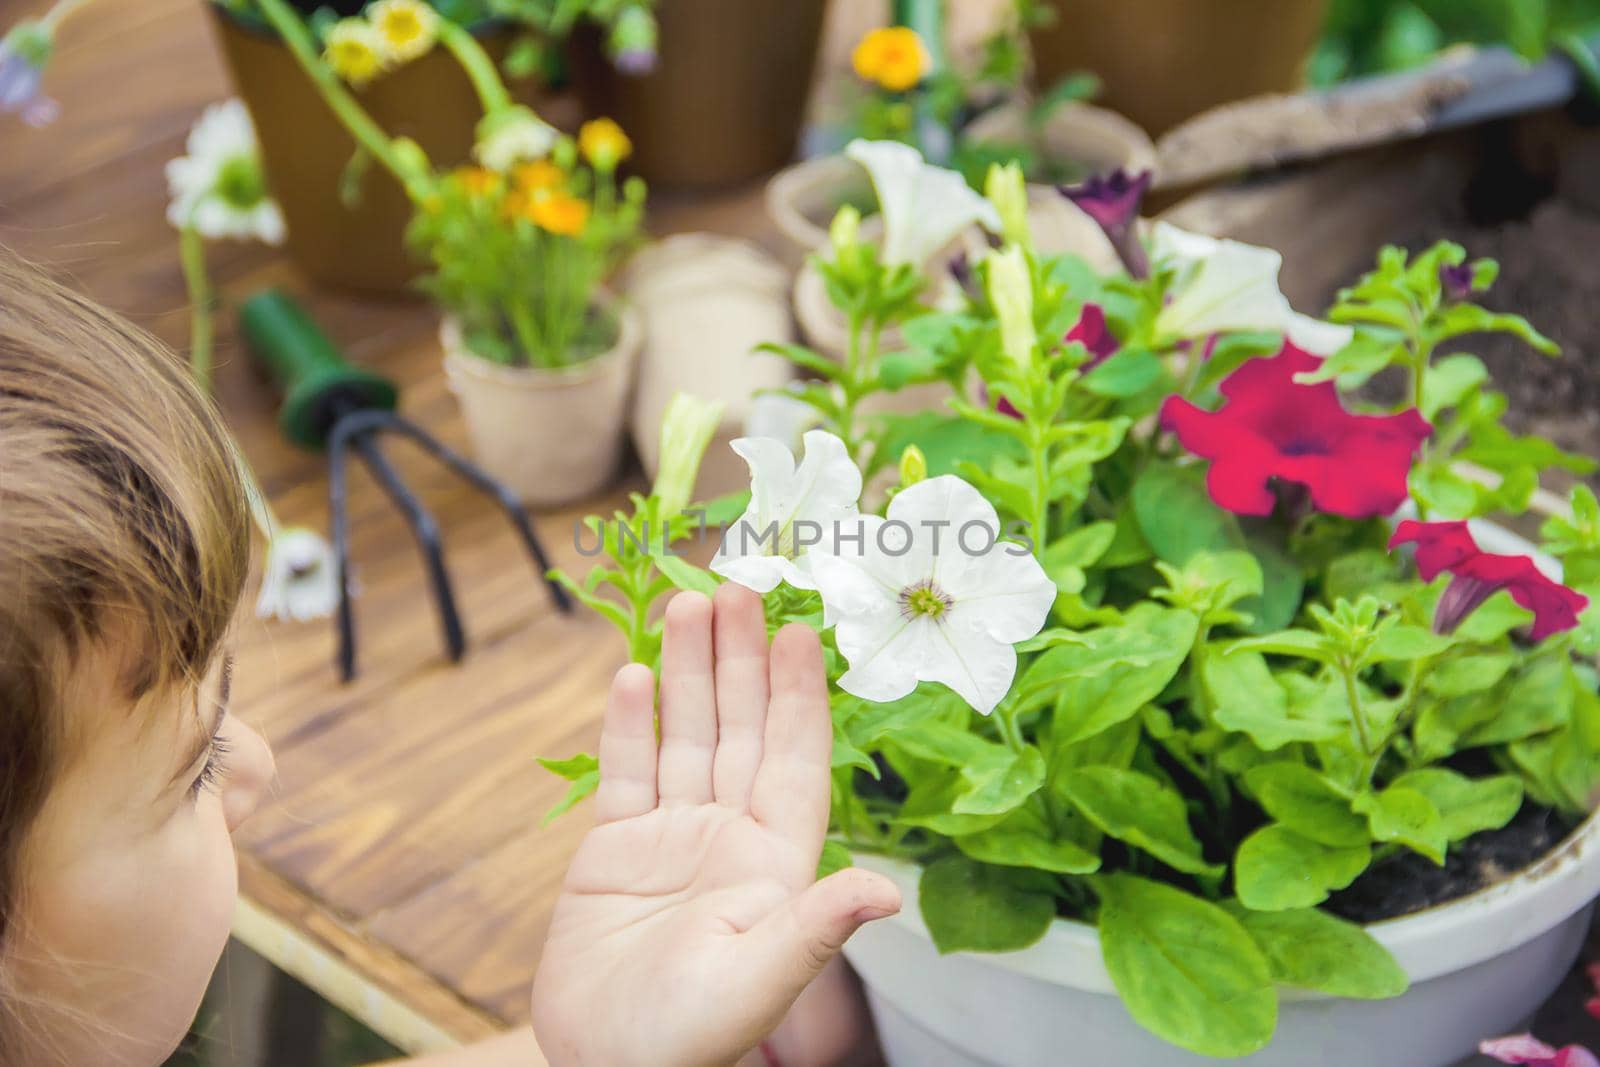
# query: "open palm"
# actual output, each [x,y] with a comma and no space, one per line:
[690,918]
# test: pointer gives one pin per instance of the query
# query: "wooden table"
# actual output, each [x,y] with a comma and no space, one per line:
[402,870]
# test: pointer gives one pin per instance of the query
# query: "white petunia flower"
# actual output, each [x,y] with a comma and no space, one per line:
[300,580]
[795,513]
[924,207]
[511,136]
[219,187]
[1226,286]
[781,416]
[933,596]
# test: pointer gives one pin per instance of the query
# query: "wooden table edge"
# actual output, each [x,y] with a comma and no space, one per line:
[382,990]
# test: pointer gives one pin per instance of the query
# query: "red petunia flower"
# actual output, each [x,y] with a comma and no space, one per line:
[1093,333]
[1274,427]
[1477,575]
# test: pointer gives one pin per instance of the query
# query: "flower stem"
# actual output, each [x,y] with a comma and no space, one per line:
[192,255]
[479,67]
[367,132]
[1358,714]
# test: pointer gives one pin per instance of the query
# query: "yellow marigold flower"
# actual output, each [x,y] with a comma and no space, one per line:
[560,213]
[477,181]
[406,28]
[541,174]
[353,50]
[603,143]
[892,56]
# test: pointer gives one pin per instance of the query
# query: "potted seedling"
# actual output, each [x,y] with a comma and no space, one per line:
[519,243]
[1184,692]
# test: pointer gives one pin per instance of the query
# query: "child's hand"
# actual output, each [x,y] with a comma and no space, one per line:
[691,919]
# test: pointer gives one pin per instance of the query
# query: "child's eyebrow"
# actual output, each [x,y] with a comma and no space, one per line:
[203,743]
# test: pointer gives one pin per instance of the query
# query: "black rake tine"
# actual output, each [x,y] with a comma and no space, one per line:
[424,527]
[485,484]
[339,508]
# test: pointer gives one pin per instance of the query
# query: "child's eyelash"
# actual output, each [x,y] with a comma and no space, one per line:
[215,767]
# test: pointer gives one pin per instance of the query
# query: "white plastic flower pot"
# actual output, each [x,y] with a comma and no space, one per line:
[1479,966]
[551,436]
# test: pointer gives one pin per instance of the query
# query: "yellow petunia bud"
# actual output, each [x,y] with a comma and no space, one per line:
[1008,192]
[1011,293]
[913,466]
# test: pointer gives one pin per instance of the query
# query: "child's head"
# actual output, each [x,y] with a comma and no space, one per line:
[124,541]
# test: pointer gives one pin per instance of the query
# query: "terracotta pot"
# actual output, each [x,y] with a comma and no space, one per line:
[706,302]
[1163,61]
[803,198]
[306,152]
[728,94]
[552,436]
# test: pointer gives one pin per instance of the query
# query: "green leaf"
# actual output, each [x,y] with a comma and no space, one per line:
[896,370]
[1370,352]
[805,358]
[945,440]
[1303,643]
[1246,698]
[1469,673]
[1141,811]
[1466,805]
[1108,677]
[835,858]
[1025,839]
[1448,381]
[1406,817]
[1187,970]
[583,771]
[1539,700]
[1177,515]
[1469,318]
[1310,949]
[1283,588]
[1307,803]
[1403,641]
[998,786]
[1277,869]
[975,907]
[1128,373]
[928,806]
[685,575]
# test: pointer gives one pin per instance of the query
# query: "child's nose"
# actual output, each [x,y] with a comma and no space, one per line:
[250,773]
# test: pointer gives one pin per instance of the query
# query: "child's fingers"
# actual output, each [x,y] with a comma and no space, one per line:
[791,788]
[791,946]
[688,702]
[628,747]
[740,639]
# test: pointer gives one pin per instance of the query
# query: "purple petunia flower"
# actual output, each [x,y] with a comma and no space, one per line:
[1113,201]
[24,52]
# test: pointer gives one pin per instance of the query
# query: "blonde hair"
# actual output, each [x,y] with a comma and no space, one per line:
[122,515]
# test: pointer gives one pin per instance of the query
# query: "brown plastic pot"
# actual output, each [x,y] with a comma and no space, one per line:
[1164,61]
[306,152]
[728,94]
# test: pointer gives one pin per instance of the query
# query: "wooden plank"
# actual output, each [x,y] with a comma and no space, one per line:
[407,1007]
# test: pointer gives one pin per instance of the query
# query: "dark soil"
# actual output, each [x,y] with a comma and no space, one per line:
[1407,882]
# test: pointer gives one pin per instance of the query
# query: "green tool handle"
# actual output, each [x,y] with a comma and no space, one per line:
[284,339]
[317,383]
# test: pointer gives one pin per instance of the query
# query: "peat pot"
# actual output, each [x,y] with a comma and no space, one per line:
[551,436]
[1163,61]
[1479,967]
[728,94]
[359,244]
